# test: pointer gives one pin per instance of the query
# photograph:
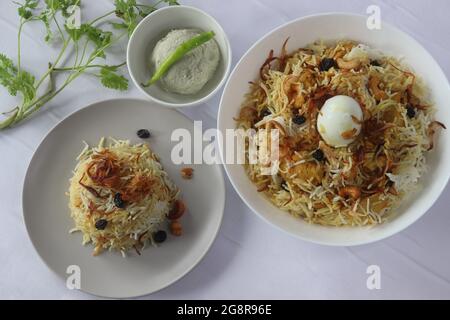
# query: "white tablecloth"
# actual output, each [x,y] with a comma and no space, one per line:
[249,258]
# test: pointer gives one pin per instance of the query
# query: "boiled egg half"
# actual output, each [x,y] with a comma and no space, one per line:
[339,121]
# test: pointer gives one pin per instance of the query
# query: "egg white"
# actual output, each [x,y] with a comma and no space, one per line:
[338,116]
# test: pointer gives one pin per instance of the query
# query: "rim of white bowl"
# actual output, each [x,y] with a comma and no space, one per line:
[202,99]
[351,243]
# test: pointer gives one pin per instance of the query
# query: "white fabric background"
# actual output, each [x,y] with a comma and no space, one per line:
[249,259]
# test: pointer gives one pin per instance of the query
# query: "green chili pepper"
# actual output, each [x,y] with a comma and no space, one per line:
[179,53]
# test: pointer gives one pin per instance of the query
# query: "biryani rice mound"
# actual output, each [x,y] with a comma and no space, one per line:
[120,196]
[357,185]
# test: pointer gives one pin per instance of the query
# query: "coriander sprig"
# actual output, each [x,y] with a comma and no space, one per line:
[88,43]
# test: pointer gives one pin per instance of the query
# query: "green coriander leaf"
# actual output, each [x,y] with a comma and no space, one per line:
[99,37]
[145,11]
[75,33]
[45,20]
[31,4]
[110,79]
[126,10]
[7,72]
[24,13]
[119,26]
[24,83]
[15,81]
[124,6]
[61,5]
[54,5]
[25,9]
[52,10]
[131,26]
[172,2]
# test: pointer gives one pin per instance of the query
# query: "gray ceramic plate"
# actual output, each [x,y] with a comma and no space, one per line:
[46,213]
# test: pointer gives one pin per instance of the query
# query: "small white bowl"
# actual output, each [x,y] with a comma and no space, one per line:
[154,27]
[391,41]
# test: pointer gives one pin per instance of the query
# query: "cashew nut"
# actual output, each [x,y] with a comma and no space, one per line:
[350,192]
[339,54]
[283,151]
[374,83]
[307,78]
[299,100]
[177,211]
[287,85]
[175,228]
[348,65]
[278,126]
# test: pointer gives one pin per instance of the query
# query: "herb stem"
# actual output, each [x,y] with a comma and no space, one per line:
[50,70]
[83,52]
[19,35]
[89,66]
[52,14]
[59,29]
[101,17]
[44,99]
[76,57]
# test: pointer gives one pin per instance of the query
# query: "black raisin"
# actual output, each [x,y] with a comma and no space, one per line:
[298,119]
[410,112]
[143,133]
[118,201]
[375,63]
[326,64]
[265,112]
[160,236]
[318,155]
[101,224]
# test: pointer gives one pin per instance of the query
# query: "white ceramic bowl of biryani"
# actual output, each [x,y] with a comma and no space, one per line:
[344,217]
